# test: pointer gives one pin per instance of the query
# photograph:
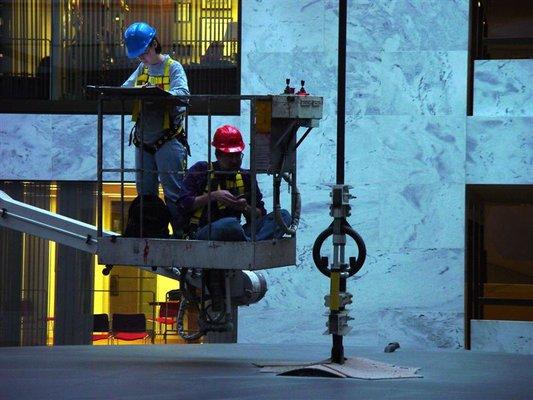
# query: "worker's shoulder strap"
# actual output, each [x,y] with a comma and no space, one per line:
[142,78]
[166,71]
[225,182]
[163,82]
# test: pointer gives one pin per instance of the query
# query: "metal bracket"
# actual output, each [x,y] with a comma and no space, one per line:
[345,298]
[338,324]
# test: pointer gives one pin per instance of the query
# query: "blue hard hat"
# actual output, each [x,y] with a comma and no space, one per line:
[137,38]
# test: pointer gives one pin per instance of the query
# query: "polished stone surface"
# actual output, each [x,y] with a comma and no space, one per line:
[503,88]
[406,83]
[405,157]
[502,336]
[499,150]
[401,25]
[227,372]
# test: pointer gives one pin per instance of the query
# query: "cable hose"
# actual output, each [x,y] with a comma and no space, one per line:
[186,335]
[203,325]
[290,230]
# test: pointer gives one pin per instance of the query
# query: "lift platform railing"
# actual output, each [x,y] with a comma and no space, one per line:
[274,122]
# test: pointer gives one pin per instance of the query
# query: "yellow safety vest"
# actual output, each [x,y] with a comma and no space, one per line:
[161,81]
[236,183]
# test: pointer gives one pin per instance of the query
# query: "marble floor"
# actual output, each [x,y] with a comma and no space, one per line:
[227,371]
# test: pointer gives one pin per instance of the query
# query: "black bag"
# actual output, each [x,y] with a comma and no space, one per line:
[156,218]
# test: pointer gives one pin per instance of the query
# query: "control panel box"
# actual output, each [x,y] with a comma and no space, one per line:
[299,107]
[277,120]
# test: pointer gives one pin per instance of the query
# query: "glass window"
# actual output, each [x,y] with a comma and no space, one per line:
[49,51]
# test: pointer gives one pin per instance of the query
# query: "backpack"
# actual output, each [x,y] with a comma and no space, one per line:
[156,218]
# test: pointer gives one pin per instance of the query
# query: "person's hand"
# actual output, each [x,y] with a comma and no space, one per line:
[229,200]
[241,204]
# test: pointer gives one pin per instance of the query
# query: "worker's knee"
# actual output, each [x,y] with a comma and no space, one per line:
[286,216]
[226,229]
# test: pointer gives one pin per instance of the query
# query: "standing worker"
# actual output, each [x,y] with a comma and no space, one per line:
[163,142]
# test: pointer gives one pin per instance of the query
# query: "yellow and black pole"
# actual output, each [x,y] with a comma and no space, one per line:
[338,296]
[338,271]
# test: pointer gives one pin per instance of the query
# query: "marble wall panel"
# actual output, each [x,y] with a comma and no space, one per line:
[422,216]
[74,147]
[414,297]
[317,154]
[60,147]
[430,278]
[499,150]
[400,203]
[409,149]
[405,152]
[25,147]
[503,88]
[265,73]
[421,327]
[502,336]
[377,25]
[406,83]
[401,25]
[112,147]
[299,26]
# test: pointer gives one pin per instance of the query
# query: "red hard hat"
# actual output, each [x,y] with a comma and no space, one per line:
[228,139]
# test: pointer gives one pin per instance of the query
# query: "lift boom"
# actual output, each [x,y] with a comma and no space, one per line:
[48,225]
[58,228]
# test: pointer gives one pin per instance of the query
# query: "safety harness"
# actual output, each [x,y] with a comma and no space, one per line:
[171,132]
[234,185]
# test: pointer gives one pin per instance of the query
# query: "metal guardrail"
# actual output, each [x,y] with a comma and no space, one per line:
[178,253]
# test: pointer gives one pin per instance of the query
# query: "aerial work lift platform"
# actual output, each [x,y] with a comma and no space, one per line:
[274,124]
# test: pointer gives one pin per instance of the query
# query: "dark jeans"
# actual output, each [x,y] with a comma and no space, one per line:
[230,229]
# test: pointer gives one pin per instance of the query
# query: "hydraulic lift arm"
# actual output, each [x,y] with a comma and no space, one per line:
[60,229]
[47,225]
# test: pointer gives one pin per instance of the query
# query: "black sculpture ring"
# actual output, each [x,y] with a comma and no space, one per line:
[355,264]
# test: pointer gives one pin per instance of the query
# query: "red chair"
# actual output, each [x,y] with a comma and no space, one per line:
[101,327]
[167,317]
[129,327]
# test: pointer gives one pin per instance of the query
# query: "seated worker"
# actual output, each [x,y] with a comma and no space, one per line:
[230,195]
